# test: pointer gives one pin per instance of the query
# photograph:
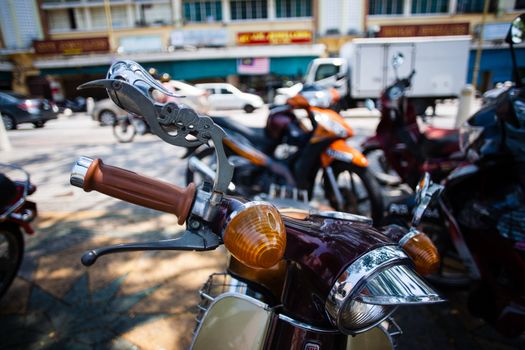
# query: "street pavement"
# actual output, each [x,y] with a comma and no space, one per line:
[147,300]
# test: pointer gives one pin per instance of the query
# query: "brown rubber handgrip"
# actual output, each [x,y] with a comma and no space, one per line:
[141,190]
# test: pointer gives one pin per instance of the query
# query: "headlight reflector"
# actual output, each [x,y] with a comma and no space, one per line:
[371,288]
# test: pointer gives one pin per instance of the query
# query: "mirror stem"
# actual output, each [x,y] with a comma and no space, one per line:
[515,71]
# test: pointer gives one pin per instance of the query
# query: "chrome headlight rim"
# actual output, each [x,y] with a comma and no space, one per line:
[354,278]
[357,276]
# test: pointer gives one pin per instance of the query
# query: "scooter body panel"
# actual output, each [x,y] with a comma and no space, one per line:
[234,321]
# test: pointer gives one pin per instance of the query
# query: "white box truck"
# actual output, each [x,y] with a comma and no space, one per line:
[365,68]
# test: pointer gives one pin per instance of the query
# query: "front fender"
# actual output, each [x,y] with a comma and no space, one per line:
[340,150]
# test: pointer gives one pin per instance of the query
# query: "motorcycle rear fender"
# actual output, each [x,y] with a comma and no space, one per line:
[340,150]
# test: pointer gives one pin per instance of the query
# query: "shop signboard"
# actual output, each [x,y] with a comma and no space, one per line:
[142,43]
[274,37]
[199,37]
[253,66]
[71,46]
[439,29]
[495,31]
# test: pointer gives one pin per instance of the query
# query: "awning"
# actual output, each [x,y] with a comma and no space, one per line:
[279,51]
[184,65]
[197,69]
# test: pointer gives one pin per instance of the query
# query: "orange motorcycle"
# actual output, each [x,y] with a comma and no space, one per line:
[295,156]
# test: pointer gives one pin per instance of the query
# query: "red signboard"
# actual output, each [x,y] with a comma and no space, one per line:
[274,38]
[424,30]
[71,46]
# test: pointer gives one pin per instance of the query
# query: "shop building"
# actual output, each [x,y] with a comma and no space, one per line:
[251,43]
[246,42]
[403,18]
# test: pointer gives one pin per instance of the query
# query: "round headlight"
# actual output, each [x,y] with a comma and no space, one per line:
[371,288]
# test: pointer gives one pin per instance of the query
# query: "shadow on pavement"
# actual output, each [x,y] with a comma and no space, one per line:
[124,301]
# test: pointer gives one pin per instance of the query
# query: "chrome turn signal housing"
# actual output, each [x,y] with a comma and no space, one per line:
[255,235]
[372,287]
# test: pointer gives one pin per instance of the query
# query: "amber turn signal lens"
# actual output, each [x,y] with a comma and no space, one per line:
[423,252]
[255,235]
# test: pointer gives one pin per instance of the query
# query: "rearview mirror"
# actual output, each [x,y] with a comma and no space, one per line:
[517,30]
[398,59]
[426,192]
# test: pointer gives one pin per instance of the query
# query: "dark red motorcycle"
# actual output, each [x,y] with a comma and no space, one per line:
[399,144]
[16,214]
[296,279]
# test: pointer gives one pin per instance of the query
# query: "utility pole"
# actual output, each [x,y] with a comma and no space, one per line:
[109,23]
[5,145]
[475,72]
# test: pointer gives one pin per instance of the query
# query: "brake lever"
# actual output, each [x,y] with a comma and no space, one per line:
[200,240]
[130,87]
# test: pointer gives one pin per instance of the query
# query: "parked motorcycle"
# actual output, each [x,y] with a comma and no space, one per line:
[400,147]
[16,214]
[317,148]
[482,209]
[296,280]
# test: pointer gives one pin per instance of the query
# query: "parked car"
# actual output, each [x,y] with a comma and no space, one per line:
[195,97]
[106,112]
[78,104]
[227,96]
[17,109]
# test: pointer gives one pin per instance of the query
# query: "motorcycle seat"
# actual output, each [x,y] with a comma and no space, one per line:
[8,191]
[438,142]
[434,133]
[256,136]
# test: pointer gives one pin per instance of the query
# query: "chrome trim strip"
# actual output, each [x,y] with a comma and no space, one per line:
[242,207]
[79,171]
[408,236]
[338,215]
[306,326]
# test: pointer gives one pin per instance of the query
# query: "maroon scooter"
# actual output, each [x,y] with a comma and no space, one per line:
[296,279]
[401,146]
[16,214]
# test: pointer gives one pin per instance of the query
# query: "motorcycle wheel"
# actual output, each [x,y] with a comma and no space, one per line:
[361,192]
[11,253]
[379,166]
[124,130]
